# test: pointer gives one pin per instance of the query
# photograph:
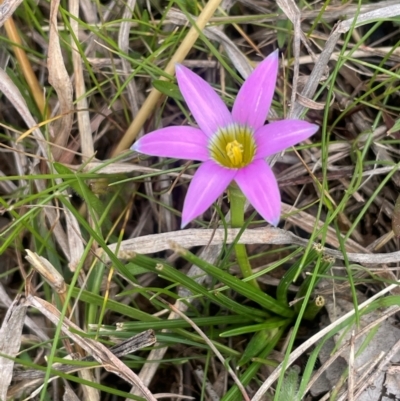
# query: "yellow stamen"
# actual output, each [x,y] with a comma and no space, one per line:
[233,146]
[234,151]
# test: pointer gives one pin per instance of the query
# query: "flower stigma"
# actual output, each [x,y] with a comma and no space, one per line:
[233,146]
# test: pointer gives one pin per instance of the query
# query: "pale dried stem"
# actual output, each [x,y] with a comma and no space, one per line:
[154,96]
[262,236]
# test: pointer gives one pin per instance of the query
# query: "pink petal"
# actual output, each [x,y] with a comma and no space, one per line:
[177,142]
[209,111]
[280,135]
[255,96]
[207,185]
[259,185]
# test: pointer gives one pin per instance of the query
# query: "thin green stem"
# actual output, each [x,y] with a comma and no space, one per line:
[237,202]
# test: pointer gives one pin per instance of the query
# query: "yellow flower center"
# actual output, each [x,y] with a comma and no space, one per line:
[234,150]
[233,146]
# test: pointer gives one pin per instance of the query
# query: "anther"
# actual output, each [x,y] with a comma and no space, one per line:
[234,151]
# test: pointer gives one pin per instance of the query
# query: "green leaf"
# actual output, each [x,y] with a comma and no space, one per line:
[256,345]
[181,324]
[251,372]
[177,277]
[115,306]
[168,89]
[287,279]
[241,287]
[79,186]
[290,385]
[271,323]
[283,32]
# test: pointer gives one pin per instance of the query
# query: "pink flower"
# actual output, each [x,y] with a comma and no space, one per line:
[232,146]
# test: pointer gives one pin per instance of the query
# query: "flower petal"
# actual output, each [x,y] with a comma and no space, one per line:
[255,96]
[177,142]
[209,111]
[208,183]
[259,185]
[280,135]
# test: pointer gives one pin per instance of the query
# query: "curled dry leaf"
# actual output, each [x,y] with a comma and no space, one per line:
[60,81]
[7,8]
[10,341]
[12,93]
[85,133]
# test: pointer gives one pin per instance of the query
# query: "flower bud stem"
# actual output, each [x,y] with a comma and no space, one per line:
[237,202]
